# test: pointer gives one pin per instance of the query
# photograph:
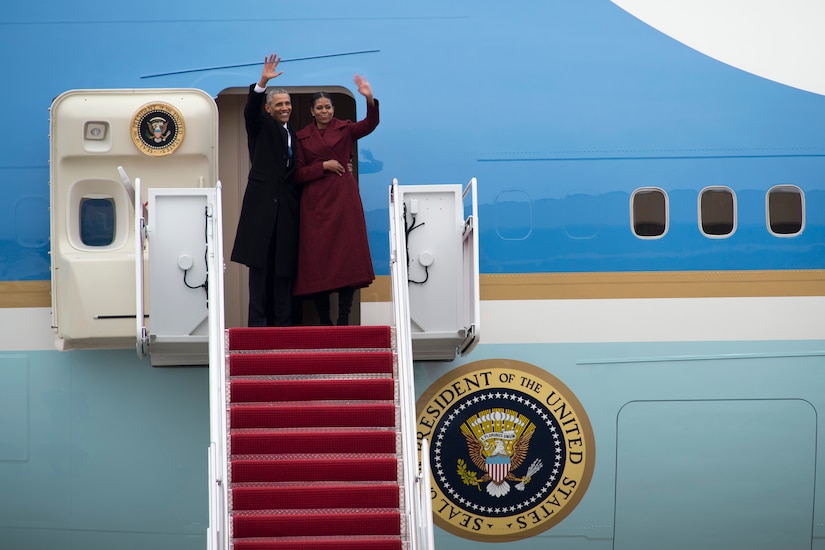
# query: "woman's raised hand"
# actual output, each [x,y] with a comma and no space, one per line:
[364,87]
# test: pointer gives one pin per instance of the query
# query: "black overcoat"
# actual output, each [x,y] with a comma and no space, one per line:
[271,201]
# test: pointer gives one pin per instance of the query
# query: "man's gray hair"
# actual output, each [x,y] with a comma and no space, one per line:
[272,91]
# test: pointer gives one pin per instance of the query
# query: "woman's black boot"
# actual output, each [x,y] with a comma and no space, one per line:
[344,305]
[321,300]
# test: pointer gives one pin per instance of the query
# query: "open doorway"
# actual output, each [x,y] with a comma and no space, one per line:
[233,168]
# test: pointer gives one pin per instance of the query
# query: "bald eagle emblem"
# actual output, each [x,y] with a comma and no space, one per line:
[497,442]
[157,129]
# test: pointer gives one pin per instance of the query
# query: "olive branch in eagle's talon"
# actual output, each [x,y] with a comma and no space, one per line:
[469,478]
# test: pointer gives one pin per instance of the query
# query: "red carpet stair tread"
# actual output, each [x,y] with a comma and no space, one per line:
[314,451]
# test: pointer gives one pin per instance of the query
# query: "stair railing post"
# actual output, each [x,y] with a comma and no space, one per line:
[401,319]
[426,534]
[217,534]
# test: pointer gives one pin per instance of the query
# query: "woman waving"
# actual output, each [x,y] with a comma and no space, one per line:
[333,251]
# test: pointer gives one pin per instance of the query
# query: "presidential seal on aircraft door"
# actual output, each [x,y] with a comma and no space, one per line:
[157,129]
[512,450]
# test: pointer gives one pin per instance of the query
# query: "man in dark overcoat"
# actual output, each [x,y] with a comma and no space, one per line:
[267,236]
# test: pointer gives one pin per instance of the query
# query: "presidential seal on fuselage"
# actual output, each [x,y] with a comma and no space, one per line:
[512,450]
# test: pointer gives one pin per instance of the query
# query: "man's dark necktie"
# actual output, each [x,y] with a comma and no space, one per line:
[288,147]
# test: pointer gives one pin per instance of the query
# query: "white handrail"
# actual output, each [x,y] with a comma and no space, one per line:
[141,335]
[417,501]
[218,532]
[472,299]
[401,317]
[426,535]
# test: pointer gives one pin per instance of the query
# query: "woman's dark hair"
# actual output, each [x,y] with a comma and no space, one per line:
[318,95]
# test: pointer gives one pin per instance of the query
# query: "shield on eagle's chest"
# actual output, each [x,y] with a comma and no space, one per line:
[498,467]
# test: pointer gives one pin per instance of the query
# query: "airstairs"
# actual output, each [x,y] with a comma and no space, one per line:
[315,452]
[313,428]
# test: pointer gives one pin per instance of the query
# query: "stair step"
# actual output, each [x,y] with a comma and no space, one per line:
[317,468]
[313,496]
[321,543]
[316,523]
[248,391]
[324,362]
[258,442]
[278,338]
[313,439]
[278,415]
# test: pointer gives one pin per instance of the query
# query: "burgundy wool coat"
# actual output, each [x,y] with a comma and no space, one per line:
[333,251]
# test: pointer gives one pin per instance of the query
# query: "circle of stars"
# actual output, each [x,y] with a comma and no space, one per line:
[528,502]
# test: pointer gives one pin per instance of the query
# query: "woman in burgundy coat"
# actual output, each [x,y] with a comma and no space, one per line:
[333,252]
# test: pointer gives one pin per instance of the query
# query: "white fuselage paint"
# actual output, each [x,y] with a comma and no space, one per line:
[780,41]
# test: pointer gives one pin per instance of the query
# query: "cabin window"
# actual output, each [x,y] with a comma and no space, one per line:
[717,211]
[785,210]
[648,212]
[580,215]
[514,215]
[97,221]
